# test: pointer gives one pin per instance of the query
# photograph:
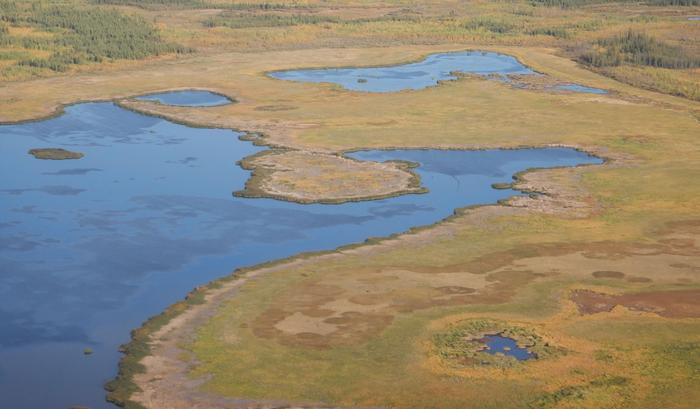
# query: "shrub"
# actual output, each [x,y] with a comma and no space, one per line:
[637,49]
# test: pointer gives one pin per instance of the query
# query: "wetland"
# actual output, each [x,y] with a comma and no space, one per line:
[425,73]
[92,250]
[225,240]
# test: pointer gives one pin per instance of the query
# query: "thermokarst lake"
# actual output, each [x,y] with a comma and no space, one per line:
[92,247]
[426,73]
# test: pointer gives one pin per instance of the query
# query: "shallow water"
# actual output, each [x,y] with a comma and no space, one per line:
[580,88]
[498,344]
[187,98]
[418,75]
[90,248]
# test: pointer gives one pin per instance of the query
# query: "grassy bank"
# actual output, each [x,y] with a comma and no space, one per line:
[383,304]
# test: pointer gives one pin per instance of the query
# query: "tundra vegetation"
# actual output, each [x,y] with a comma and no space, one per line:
[602,270]
[648,44]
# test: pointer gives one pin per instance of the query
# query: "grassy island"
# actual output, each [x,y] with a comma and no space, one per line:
[54,154]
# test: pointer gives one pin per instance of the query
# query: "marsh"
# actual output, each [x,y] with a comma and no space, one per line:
[149,215]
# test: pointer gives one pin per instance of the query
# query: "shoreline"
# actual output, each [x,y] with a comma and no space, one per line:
[124,386]
[150,342]
[139,344]
[255,185]
[161,337]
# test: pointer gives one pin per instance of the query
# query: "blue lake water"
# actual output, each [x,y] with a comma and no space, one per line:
[90,248]
[498,344]
[187,98]
[418,75]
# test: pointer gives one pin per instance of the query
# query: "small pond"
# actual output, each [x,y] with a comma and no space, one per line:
[498,344]
[417,75]
[580,88]
[90,248]
[188,98]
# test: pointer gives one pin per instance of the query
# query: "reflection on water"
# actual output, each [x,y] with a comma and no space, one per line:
[89,251]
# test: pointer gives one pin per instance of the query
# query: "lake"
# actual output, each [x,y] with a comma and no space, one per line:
[90,248]
[425,73]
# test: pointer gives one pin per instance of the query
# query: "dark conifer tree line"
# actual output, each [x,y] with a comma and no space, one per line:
[82,35]
[637,49]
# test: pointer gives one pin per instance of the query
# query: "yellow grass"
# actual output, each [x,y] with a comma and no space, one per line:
[356,327]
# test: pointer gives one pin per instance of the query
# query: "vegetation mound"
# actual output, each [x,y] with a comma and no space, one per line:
[461,345]
[54,154]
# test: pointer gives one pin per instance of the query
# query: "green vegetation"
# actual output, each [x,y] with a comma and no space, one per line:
[237,20]
[349,325]
[461,345]
[73,35]
[33,43]
[558,32]
[578,392]
[359,328]
[491,24]
[233,19]
[638,49]
[502,185]
[643,61]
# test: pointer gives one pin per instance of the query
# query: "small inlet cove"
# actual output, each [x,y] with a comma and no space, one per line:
[426,73]
[95,244]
